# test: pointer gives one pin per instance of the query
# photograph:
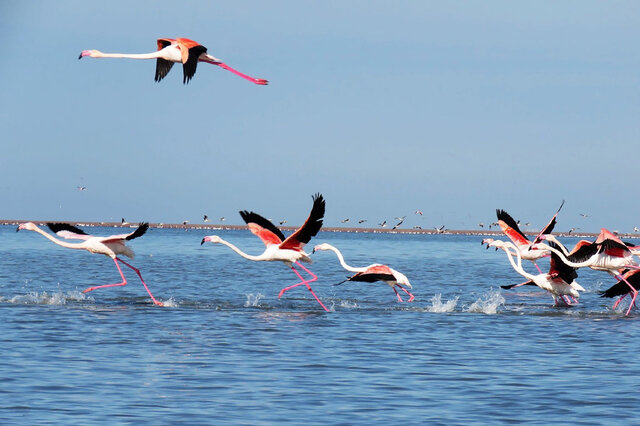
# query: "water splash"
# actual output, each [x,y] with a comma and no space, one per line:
[348,304]
[438,306]
[171,303]
[253,300]
[44,298]
[488,303]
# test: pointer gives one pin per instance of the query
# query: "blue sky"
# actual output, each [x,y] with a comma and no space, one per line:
[455,109]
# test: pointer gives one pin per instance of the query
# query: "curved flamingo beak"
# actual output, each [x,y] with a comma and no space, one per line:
[204,240]
[84,53]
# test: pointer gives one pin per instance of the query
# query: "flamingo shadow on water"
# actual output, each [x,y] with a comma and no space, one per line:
[278,248]
[110,246]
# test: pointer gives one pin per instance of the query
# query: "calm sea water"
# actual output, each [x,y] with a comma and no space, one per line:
[226,350]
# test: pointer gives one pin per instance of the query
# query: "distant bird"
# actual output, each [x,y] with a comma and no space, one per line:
[635,229]
[383,224]
[417,227]
[184,222]
[401,218]
[344,220]
[170,51]
[111,246]
[372,273]
[81,188]
[559,281]
[607,253]
[282,222]
[439,230]
[205,218]
[585,215]
[572,229]
[286,250]
[399,223]
[481,225]
[222,219]
[492,224]
[362,221]
[124,222]
[418,212]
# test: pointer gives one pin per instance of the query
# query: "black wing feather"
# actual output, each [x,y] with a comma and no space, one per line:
[162,68]
[620,288]
[583,253]
[566,272]
[189,67]
[507,287]
[611,244]
[138,232]
[371,278]
[504,216]
[314,222]
[251,217]
[57,227]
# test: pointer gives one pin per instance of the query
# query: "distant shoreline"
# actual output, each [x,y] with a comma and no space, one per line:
[207,226]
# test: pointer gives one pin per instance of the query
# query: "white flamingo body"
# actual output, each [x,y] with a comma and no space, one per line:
[372,273]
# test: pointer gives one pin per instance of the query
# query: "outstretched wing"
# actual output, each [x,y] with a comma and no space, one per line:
[510,228]
[560,269]
[190,65]
[620,288]
[263,228]
[69,232]
[549,228]
[162,65]
[310,227]
[139,232]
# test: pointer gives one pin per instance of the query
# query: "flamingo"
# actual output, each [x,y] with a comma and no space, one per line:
[607,253]
[286,250]
[183,50]
[372,273]
[111,246]
[621,288]
[560,281]
[510,228]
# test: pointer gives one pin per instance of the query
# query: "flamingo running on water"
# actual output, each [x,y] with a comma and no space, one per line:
[170,51]
[560,281]
[286,250]
[621,288]
[510,228]
[372,273]
[607,253]
[111,246]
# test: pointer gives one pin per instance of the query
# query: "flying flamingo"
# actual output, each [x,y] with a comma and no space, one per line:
[510,228]
[372,273]
[559,281]
[170,51]
[286,250]
[607,253]
[111,246]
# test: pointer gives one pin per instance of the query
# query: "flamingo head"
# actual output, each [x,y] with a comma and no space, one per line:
[323,246]
[29,226]
[210,239]
[92,53]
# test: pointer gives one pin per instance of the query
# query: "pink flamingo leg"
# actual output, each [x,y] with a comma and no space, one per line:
[634,292]
[124,281]
[411,296]
[537,267]
[306,283]
[397,294]
[137,271]
[615,305]
[260,81]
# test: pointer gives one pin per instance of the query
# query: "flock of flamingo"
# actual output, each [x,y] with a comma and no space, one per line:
[607,253]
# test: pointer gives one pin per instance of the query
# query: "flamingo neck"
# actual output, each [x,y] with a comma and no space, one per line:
[76,246]
[342,262]
[518,268]
[152,55]
[564,259]
[241,253]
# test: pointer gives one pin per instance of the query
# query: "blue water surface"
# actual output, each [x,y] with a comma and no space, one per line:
[224,349]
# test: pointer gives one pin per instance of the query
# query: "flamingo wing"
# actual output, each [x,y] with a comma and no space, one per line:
[507,287]
[621,288]
[582,251]
[549,228]
[373,274]
[510,228]
[560,269]
[69,232]
[139,232]
[263,228]
[310,227]
[162,65]
[189,66]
